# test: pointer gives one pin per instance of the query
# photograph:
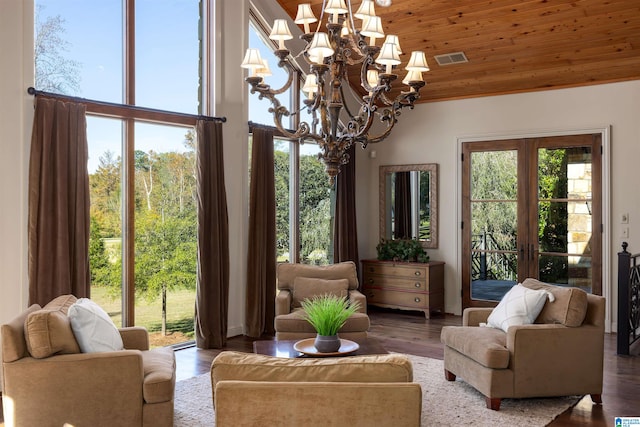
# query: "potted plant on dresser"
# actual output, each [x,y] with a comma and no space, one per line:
[408,250]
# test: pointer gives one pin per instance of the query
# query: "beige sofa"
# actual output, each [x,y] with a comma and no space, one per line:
[299,281]
[561,354]
[256,390]
[131,387]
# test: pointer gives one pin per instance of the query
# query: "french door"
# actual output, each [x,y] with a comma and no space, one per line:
[531,208]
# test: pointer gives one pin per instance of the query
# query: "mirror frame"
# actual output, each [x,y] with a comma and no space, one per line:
[433,198]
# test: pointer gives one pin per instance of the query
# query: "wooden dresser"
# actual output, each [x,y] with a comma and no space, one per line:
[404,285]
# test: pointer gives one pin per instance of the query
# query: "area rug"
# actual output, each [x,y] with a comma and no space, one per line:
[444,403]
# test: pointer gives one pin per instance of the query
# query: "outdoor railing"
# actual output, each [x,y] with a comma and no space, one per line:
[628,299]
[487,260]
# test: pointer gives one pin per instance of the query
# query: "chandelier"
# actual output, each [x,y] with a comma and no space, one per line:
[336,126]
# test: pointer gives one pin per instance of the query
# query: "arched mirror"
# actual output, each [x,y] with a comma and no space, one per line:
[409,203]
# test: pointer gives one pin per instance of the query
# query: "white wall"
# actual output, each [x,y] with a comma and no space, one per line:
[431,134]
[16,115]
[230,91]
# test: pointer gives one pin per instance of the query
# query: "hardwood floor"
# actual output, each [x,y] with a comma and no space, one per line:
[410,332]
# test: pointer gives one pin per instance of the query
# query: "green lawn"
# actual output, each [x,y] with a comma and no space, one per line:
[180,313]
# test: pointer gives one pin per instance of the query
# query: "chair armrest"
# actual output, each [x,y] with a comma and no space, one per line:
[556,357]
[98,382]
[283,302]
[135,338]
[357,296]
[473,316]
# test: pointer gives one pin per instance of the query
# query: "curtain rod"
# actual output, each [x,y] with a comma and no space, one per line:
[148,112]
[276,132]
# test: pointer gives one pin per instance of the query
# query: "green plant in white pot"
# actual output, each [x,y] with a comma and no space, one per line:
[327,314]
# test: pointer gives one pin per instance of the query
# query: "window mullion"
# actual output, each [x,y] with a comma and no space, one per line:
[128,174]
[294,200]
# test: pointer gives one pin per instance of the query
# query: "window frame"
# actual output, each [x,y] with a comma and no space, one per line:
[128,113]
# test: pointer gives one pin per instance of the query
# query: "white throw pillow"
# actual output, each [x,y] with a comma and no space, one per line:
[519,306]
[93,328]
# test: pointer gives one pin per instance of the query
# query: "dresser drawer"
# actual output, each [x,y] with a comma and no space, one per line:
[396,270]
[405,286]
[417,284]
[385,297]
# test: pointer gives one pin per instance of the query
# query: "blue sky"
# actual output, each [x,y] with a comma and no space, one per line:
[167,61]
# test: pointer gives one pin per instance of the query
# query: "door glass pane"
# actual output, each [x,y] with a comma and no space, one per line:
[168,55]
[79,48]
[165,232]
[281,156]
[104,138]
[316,231]
[564,216]
[494,224]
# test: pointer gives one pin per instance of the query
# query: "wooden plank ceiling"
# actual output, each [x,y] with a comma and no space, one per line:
[512,45]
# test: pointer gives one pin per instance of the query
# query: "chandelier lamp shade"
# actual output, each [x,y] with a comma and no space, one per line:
[336,126]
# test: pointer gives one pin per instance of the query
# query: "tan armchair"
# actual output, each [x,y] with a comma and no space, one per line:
[299,281]
[131,387]
[257,390]
[561,354]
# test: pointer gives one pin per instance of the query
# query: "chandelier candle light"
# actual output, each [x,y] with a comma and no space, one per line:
[328,55]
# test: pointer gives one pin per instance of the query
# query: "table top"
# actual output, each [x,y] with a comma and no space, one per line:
[284,348]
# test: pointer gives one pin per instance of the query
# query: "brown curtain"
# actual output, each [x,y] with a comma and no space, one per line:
[345,234]
[261,258]
[212,292]
[402,208]
[58,232]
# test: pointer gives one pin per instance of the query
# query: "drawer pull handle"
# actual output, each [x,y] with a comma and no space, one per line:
[416,299]
[417,273]
[417,285]
[371,281]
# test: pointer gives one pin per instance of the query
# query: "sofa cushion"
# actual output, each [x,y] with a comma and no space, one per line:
[487,346]
[230,365]
[13,339]
[308,287]
[93,328]
[48,332]
[61,303]
[569,307]
[519,306]
[344,270]
[295,322]
[159,375]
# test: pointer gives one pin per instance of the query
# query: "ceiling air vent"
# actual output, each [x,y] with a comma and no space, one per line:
[451,58]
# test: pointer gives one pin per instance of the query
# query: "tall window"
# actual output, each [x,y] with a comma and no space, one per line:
[303,195]
[141,174]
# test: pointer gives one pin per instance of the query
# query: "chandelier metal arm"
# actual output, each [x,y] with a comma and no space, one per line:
[404,100]
[285,65]
[279,111]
